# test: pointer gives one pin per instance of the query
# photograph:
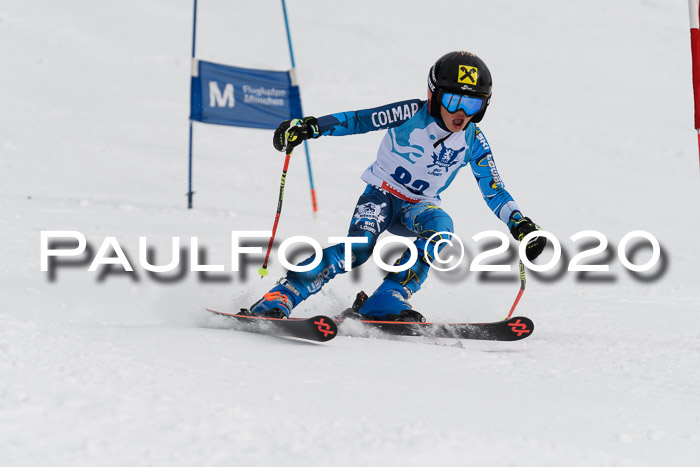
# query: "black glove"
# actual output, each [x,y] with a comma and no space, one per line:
[291,133]
[536,245]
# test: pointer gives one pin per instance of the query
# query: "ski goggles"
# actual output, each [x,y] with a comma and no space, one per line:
[470,105]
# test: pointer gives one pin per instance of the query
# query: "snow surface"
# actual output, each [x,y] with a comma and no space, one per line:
[591,126]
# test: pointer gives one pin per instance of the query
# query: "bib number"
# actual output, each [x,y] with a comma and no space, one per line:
[404,177]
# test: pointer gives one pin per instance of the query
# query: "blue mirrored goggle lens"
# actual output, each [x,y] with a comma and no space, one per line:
[455,102]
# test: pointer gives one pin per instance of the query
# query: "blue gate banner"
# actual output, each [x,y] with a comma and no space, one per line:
[227,95]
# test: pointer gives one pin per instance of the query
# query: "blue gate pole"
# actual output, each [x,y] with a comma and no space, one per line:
[314,205]
[194,35]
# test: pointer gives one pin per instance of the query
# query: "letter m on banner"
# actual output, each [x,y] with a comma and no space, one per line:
[227,95]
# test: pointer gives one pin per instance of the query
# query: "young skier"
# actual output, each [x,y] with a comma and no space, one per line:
[428,142]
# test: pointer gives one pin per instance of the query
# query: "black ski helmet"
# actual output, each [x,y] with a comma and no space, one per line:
[461,73]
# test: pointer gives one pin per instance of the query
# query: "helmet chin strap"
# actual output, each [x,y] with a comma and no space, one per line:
[435,104]
[441,123]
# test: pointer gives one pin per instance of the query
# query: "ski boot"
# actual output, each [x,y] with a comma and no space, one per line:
[274,304]
[388,303]
[353,312]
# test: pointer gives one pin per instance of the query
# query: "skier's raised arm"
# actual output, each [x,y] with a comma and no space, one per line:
[291,133]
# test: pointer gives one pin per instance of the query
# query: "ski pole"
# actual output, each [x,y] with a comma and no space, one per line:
[263,270]
[522,289]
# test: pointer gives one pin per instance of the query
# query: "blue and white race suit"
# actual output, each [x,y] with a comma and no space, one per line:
[416,161]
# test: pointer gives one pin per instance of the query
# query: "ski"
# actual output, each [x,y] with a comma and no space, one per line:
[318,328]
[513,329]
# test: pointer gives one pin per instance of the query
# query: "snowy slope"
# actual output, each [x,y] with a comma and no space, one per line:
[591,126]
